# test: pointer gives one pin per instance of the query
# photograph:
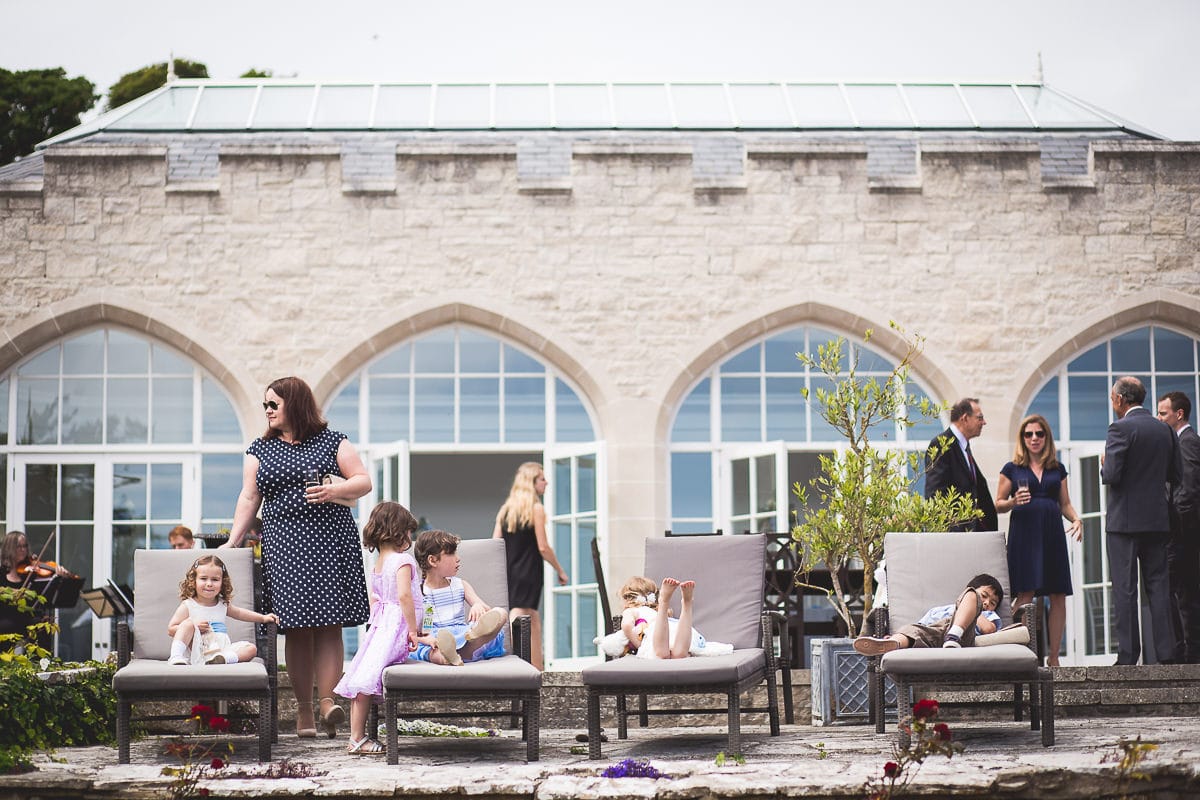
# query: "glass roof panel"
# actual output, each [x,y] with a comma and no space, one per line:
[284,107]
[878,106]
[522,106]
[641,105]
[937,106]
[700,105]
[168,111]
[1052,110]
[819,105]
[402,107]
[343,107]
[995,106]
[760,105]
[582,105]
[224,107]
[463,106]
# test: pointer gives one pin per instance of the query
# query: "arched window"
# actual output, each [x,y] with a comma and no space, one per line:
[109,439]
[444,421]
[1075,401]
[745,434]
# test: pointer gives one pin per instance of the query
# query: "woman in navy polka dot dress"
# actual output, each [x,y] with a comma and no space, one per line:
[313,575]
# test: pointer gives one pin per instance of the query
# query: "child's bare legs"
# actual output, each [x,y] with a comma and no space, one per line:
[967,609]
[683,631]
[483,632]
[661,639]
[359,707]
[181,641]
[246,652]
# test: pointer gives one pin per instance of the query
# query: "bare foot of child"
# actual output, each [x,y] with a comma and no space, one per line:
[687,588]
[668,587]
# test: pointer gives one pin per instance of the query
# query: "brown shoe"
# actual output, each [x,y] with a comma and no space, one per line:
[446,646]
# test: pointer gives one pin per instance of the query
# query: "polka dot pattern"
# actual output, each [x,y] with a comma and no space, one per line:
[312,554]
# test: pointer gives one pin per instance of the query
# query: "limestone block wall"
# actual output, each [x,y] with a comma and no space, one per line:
[630,261]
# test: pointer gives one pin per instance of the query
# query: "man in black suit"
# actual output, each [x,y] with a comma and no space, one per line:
[1140,459]
[954,465]
[1183,550]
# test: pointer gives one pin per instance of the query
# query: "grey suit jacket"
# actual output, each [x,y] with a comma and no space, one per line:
[1140,458]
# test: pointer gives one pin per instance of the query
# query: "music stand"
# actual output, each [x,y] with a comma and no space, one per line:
[97,600]
[121,597]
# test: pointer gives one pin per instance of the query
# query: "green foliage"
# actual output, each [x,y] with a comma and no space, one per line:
[1129,756]
[733,758]
[866,491]
[255,72]
[40,715]
[133,85]
[36,104]
[21,650]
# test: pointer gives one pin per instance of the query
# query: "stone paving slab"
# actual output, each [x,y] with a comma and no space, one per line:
[1002,760]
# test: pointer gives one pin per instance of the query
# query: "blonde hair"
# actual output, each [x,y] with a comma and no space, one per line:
[1021,456]
[517,511]
[639,591]
[187,587]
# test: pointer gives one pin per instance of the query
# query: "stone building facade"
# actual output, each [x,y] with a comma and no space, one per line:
[629,263]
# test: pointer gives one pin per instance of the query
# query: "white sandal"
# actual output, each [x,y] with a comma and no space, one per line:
[365,746]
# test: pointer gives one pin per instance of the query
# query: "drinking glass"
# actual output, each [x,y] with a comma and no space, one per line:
[312,477]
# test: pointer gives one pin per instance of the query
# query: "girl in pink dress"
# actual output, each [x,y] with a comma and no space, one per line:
[395,594]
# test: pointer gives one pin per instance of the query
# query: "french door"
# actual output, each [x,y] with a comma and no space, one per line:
[1091,628]
[93,511]
[754,486]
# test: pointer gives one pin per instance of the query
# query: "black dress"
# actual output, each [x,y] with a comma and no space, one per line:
[313,572]
[525,573]
[1037,545]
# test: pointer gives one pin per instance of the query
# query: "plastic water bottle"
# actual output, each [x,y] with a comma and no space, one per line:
[427,622]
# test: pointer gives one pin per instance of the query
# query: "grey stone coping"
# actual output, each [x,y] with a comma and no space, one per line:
[1001,759]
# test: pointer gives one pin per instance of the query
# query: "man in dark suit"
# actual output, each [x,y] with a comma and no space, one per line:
[1140,459]
[1183,550]
[953,465]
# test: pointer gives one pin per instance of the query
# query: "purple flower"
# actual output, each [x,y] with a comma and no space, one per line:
[632,768]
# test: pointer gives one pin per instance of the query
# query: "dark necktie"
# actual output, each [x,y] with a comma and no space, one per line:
[971,462]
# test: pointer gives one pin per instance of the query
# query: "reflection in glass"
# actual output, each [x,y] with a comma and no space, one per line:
[740,410]
[78,491]
[562,543]
[477,352]
[397,361]
[1052,110]
[168,111]
[586,476]
[1089,479]
[803,468]
[518,361]
[220,483]
[1045,402]
[172,412]
[582,106]
[1131,352]
[343,107]
[700,105]
[585,568]
[433,409]
[562,630]
[479,410]
[129,491]
[588,615]
[1173,352]
[822,431]
[1094,360]
[224,107]
[1093,551]
[41,493]
[3,416]
[995,106]
[75,629]
[571,420]
[785,409]
[748,360]
[562,486]
[403,107]
[126,539]
[45,363]
[165,361]
[740,481]
[37,410]
[759,105]
[878,105]
[166,491]
[522,106]
[128,405]
[84,355]
[937,106]
[691,487]
[1089,406]
[764,494]
[219,422]
[81,409]
[389,409]
[779,352]
[524,410]
[692,421]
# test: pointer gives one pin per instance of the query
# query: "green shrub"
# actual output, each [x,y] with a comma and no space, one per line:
[78,709]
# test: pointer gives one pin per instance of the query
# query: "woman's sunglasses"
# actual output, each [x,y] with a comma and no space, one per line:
[271,404]
[1034,434]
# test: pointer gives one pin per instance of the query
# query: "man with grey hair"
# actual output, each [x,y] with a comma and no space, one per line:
[1140,460]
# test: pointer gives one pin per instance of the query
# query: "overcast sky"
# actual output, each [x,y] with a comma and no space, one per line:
[1137,60]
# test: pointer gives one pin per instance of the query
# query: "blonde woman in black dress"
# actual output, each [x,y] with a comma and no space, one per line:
[521,523]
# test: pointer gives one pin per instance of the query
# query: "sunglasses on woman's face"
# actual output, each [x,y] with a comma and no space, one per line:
[1034,434]
[271,404]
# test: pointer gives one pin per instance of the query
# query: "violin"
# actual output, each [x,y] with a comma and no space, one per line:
[40,569]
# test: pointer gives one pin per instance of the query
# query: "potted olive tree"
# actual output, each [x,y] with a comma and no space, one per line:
[866,488]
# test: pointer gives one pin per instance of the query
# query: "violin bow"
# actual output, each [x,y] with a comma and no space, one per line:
[38,560]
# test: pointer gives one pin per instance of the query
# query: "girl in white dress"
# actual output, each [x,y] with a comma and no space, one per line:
[198,625]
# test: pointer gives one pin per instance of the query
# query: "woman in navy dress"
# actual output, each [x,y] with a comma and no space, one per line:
[1033,486]
[313,575]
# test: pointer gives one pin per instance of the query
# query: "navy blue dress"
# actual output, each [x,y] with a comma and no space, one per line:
[1037,545]
[313,572]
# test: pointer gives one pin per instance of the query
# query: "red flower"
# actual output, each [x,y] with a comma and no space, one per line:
[891,769]
[943,731]
[201,711]
[924,709]
[203,792]
[218,723]
[217,764]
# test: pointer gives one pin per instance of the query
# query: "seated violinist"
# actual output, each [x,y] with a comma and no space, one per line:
[20,568]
